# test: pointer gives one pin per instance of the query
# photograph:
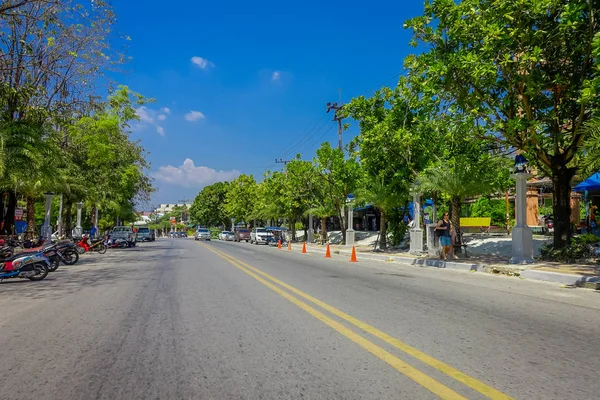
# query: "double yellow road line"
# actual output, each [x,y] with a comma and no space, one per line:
[403,367]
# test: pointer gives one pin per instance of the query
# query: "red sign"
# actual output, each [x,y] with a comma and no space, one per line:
[18,214]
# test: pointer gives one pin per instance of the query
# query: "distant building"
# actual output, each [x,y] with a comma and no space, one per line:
[166,208]
[163,209]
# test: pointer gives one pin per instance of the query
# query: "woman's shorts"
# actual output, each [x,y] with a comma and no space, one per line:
[446,241]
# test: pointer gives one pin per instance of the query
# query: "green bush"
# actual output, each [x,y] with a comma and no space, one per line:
[397,231]
[580,248]
[495,209]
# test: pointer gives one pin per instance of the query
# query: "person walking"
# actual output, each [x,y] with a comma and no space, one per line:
[444,229]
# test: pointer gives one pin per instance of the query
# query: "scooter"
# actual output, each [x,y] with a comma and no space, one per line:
[33,266]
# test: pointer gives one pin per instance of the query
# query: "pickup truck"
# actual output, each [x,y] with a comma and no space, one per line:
[259,235]
[125,233]
[241,234]
[144,234]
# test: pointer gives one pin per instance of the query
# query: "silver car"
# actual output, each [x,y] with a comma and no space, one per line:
[202,234]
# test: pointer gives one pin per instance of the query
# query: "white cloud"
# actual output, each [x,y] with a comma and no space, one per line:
[201,63]
[276,75]
[144,114]
[190,175]
[166,110]
[148,118]
[194,116]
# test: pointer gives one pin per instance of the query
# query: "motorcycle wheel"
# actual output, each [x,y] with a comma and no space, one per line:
[70,257]
[102,249]
[42,270]
[54,263]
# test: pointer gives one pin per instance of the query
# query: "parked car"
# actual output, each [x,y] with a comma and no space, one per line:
[241,234]
[226,235]
[145,234]
[259,235]
[123,233]
[202,234]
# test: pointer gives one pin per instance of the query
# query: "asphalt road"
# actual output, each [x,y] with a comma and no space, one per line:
[178,319]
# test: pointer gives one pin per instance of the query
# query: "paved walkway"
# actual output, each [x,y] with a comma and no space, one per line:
[568,274]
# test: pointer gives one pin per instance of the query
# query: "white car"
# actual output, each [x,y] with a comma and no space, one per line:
[259,235]
[202,234]
[226,235]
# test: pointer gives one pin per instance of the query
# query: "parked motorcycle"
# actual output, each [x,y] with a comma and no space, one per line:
[33,266]
[86,245]
[68,253]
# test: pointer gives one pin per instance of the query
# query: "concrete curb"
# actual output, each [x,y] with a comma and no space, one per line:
[557,277]
[591,282]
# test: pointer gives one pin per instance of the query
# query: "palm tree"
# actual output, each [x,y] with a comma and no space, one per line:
[322,211]
[461,177]
[591,162]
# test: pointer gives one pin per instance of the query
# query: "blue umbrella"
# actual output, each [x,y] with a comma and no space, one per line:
[590,184]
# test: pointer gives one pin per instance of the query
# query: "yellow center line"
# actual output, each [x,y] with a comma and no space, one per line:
[408,370]
[452,372]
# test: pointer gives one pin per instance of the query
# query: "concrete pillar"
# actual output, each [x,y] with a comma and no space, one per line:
[78,231]
[416,233]
[532,207]
[60,220]
[46,227]
[522,236]
[350,230]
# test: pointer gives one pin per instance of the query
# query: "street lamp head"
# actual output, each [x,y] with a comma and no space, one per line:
[49,194]
[521,164]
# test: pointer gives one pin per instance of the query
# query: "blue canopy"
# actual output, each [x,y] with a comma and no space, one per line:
[590,184]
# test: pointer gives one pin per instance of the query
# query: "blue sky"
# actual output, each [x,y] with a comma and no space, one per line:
[239,84]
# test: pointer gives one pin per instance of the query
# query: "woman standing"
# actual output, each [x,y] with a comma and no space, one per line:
[444,228]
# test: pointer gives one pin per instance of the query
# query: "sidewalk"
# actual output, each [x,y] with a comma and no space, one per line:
[566,274]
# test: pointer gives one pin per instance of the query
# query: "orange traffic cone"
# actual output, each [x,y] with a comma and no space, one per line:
[304,247]
[328,252]
[289,246]
[353,256]
[279,244]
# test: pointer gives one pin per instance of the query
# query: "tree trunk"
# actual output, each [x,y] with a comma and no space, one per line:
[9,218]
[293,228]
[382,230]
[1,211]
[455,218]
[93,216]
[561,207]
[68,218]
[305,223]
[30,231]
[323,230]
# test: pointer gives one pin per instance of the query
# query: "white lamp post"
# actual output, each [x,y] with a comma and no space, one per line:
[96,221]
[522,235]
[416,233]
[78,231]
[60,221]
[350,230]
[46,227]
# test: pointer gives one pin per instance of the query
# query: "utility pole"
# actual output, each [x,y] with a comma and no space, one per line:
[337,117]
[284,162]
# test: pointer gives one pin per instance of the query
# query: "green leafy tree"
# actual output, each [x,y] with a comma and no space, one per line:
[240,198]
[524,69]
[208,208]
[340,177]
